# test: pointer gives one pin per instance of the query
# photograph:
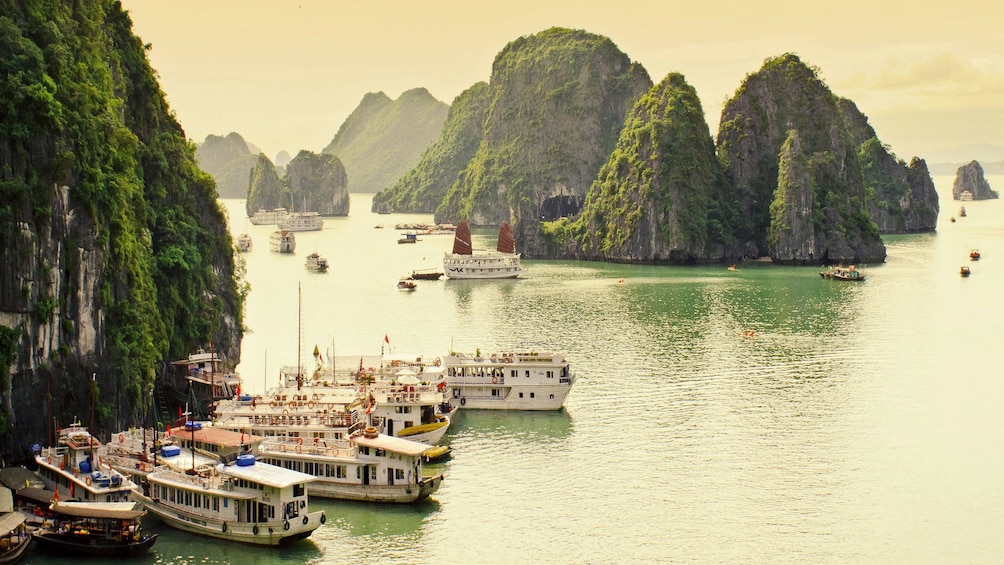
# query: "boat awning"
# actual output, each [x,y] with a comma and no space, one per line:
[391,443]
[10,521]
[36,495]
[108,510]
[265,474]
[6,500]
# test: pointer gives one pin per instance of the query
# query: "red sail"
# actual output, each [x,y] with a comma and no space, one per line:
[506,242]
[462,241]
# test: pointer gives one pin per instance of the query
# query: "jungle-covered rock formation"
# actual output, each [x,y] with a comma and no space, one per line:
[970,178]
[264,191]
[661,197]
[229,160]
[901,198]
[116,257]
[558,100]
[786,95]
[423,188]
[317,183]
[382,138]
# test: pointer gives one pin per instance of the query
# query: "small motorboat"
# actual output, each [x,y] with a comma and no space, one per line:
[974,255]
[437,453]
[405,284]
[964,271]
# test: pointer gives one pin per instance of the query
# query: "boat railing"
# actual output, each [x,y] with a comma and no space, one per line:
[319,447]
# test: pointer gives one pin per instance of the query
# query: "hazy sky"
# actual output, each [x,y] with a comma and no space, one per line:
[286,74]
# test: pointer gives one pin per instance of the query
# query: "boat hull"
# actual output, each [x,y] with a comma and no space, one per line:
[375,493]
[71,544]
[14,554]
[545,397]
[272,533]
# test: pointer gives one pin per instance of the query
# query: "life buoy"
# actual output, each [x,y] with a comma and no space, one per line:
[438,362]
[88,480]
[315,397]
[224,528]
[299,441]
[255,529]
[252,406]
[304,520]
[272,404]
[495,380]
[310,404]
[463,401]
[121,438]
[292,404]
[286,525]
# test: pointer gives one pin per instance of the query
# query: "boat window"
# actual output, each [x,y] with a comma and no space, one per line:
[521,395]
[299,489]
[528,374]
[532,395]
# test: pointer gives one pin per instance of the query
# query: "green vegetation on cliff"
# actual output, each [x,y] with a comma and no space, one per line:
[660,196]
[423,189]
[81,107]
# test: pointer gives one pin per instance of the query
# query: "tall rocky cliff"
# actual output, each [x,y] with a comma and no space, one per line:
[116,258]
[383,139]
[969,178]
[229,160]
[902,199]
[264,191]
[783,97]
[423,189]
[317,183]
[558,100]
[661,196]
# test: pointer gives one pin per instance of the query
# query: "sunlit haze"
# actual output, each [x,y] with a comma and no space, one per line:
[285,75]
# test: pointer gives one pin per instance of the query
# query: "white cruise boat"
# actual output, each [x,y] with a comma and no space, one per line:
[268,217]
[465,263]
[301,221]
[244,243]
[282,241]
[329,409]
[317,264]
[365,466]
[242,500]
[522,380]
[74,469]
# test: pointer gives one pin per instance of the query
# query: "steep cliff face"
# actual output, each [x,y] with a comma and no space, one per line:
[558,100]
[901,199]
[317,183]
[229,160]
[265,192]
[660,196]
[969,178]
[424,188]
[383,139]
[115,256]
[786,95]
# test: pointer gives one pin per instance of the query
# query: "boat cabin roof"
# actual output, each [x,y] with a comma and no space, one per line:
[391,443]
[214,436]
[36,495]
[266,474]
[108,510]
[10,521]
[6,500]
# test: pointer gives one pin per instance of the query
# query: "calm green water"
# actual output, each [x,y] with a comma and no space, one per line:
[861,422]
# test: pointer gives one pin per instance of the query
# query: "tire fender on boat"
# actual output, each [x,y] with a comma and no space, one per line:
[87,480]
[299,441]
[463,401]
[286,525]
[305,520]
[224,528]
[255,530]
[324,518]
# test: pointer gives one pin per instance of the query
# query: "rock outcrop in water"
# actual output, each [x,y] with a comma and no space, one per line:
[784,104]
[317,183]
[265,192]
[383,139]
[969,178]
[115,257]
[661,197]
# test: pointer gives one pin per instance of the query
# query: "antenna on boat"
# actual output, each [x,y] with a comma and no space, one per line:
[299,332]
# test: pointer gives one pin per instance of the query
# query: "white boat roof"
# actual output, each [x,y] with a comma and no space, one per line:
[10,521]
[267,474]
[391,443]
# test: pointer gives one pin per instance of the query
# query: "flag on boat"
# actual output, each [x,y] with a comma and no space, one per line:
[55,493]
[387,339]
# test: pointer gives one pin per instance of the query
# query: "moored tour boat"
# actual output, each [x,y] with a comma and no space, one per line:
[244,243]
[268,217]
[282,241]
[316,263]
[841,273]
[203,379]
[465,263]
[244,500]
[520,380]
[365,466]
[15,536]
[74,469]
[104,529]
[431,274]
[301,221]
